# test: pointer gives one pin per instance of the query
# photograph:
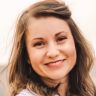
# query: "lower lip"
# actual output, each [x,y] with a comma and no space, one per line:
[57,64]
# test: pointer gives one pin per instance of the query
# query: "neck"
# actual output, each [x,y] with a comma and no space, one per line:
[63,87]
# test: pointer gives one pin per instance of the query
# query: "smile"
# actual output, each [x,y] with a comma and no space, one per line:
[54,64]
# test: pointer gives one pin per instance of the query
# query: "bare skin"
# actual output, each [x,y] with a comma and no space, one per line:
[51,50]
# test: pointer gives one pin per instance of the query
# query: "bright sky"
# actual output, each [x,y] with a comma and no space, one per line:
[83,12]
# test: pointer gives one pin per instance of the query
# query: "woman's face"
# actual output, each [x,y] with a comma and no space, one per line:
[50,47]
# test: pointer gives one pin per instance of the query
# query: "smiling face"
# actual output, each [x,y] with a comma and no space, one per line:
[50,46]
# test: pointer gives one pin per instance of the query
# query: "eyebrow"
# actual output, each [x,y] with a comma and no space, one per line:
[40,38]
[60,33]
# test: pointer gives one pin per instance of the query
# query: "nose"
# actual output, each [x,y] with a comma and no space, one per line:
[52,50]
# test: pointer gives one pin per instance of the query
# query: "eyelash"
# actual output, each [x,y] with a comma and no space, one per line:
[61,39]
[40,44]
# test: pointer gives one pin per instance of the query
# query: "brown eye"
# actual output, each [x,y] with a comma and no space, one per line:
[39,44]
[61,39]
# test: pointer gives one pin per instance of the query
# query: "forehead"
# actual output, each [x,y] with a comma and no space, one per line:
[47,24]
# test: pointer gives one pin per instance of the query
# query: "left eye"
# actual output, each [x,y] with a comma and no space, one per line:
[61,39]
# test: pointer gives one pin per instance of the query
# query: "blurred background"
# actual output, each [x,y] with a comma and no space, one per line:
[83,12]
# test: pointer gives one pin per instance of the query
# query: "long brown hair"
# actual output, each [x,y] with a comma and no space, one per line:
[21,74]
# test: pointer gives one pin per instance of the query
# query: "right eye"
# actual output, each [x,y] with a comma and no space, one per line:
[39,44]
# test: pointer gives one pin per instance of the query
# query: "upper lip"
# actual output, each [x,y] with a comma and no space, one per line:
[54,61]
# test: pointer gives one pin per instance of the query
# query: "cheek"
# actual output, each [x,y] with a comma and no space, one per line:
[36,60]
[70,51]
[35,56]
[72,54]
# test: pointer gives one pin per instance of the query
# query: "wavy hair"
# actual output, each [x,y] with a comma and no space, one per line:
[22,75]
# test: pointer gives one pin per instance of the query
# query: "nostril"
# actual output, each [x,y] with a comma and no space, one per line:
[53,53]
[52,50]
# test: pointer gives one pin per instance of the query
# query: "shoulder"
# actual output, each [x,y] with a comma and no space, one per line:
[26,92]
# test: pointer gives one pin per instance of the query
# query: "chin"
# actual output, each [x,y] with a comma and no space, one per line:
[58,77]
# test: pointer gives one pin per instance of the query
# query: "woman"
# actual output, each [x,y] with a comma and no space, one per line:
[50,56]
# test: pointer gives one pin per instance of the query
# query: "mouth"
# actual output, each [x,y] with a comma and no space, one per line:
[55,64]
